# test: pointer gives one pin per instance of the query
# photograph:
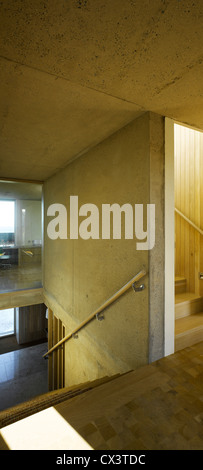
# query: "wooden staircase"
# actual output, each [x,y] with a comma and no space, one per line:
[188,316]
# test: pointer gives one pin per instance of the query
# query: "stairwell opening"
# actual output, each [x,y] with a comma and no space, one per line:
[23,370]
[188,201]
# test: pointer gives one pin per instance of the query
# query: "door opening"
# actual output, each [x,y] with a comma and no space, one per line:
[188,192]
[183,236]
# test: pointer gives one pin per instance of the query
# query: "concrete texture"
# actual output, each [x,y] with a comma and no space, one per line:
[79,275]
[46,121]
[21,298]
[157,255]
[18,190]
[72,73]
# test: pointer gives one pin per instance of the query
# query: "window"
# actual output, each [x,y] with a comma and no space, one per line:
[7,223]
[7,322]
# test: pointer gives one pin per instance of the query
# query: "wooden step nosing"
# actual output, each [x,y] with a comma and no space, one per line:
[189,301]
[189,331]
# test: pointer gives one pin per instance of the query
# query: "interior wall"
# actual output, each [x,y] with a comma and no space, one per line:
[188,200]
[157,254]
[79,275]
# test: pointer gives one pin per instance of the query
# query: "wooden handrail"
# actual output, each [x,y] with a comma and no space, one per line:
[106,304]
[189,221]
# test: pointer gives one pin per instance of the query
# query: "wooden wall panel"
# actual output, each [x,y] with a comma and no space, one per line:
[30,323]
[188,200]
[50,344]
[56,331]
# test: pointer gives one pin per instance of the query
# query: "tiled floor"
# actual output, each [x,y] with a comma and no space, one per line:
[23,375]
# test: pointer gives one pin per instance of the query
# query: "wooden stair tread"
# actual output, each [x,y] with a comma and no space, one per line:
[179,279]
[180,284]
[186,297]
[188,331]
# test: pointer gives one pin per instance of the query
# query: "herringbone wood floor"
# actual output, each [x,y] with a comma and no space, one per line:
[159,406]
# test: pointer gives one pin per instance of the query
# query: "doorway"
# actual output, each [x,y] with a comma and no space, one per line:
[20,236]
[188,195]
[183,236]
[23,342]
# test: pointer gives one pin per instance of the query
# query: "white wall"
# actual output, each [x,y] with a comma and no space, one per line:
[169,238]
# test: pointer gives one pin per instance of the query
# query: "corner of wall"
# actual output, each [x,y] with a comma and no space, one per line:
[157,254]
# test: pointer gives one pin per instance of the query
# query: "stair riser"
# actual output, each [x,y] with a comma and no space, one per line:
[180,288]
[184,309]
[188,338]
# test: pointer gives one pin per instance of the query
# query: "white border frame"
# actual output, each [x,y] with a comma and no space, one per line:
[169,307]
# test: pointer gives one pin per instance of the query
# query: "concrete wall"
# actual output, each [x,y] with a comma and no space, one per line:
[79,275]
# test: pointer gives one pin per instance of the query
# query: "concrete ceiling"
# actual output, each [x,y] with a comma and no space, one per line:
[72,72]
[20,190]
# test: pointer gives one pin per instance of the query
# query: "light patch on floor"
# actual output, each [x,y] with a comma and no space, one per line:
[49,430]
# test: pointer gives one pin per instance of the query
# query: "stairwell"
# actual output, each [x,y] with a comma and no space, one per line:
[188,316]
[156,407]
[46,400]
[188,207]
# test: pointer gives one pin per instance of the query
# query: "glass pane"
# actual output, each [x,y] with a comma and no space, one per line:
[7,220]
[7,322]
[20,236]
